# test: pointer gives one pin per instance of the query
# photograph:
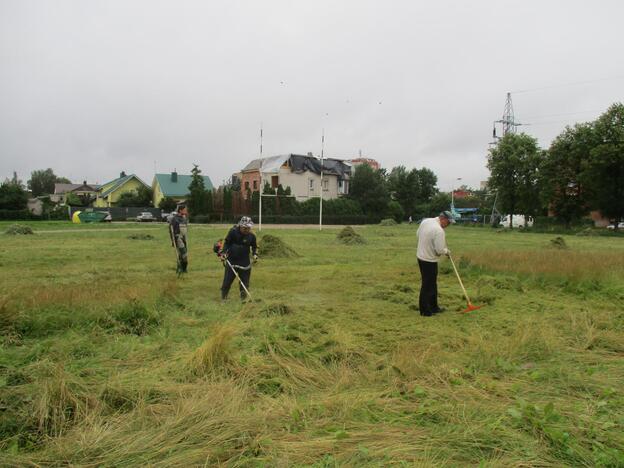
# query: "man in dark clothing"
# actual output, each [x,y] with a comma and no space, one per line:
[178,230]
[236,247]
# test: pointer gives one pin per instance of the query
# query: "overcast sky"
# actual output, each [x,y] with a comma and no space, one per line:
[91,88]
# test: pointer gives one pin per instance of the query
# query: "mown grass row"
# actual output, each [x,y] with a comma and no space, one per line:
[334,367]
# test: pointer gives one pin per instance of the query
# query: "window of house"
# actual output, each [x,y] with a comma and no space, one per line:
[343,186]
[325,184]
[311,182]
[247,185]
[255,185]
[274,181]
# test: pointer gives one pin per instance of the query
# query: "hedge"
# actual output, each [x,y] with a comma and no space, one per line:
[314,219]
[17,215]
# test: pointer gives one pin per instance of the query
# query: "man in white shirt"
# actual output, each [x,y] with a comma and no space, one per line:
[431,246]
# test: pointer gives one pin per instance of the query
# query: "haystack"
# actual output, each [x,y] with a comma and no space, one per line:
[349,236]
[18,230]
[273,246]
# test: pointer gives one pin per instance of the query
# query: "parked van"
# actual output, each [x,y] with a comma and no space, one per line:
[518,221]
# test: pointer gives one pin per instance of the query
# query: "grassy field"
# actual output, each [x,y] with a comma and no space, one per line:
[108,360]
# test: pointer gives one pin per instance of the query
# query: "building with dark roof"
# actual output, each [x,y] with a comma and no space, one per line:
[302,173]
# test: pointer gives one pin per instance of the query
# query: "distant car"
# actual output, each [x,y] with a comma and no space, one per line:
[518,221]
[619,226]
[146,216]
[164,217]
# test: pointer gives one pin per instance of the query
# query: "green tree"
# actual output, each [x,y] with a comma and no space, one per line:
[395,211]
[368,188]
[42,182]
[198,198]
[562,187]
[512,173]
[438,203]
[529,189]
[72,199]
[403,187]
[411,188]
[427,182]
[12,195]
[227,201]
[604,171]
[167,204]
[137,198]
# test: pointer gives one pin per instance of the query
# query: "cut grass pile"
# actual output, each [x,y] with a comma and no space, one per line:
[348,236]
[18,230]
[141,236]
[106,359]
[388,222]
[558,243]
[274,247]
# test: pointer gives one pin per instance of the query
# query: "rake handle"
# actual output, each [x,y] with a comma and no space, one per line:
[459,279]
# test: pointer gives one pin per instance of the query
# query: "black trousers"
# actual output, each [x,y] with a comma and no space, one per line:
[428,300]
[182,260]
[229,277]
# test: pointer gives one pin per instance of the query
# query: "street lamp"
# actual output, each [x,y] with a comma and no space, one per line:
[453,194]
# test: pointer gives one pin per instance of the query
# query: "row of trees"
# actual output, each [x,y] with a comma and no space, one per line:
[376,193]
[13,194]
[583,170]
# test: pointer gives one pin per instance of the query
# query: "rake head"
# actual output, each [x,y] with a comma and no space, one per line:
[470,308]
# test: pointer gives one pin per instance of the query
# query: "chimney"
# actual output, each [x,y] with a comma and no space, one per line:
[122,174]
[310,154]
[84,182]
[174,176]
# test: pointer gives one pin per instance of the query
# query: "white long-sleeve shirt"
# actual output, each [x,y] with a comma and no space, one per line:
[431,240]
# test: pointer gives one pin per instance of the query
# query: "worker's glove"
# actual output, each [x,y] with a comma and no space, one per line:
[255,258]
[447,252]
[223,257]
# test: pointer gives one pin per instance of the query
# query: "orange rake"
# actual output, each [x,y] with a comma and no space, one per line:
[470,307]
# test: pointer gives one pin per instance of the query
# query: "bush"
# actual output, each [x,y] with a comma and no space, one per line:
[167,204]
[314,219]
[200,219]
[395,211]
[16,215]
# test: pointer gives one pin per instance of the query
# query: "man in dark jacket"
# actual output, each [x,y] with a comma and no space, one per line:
[236,248]
[178,229]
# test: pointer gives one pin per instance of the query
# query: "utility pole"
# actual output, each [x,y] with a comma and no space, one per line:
[508,123]
[321,204]
[260,172]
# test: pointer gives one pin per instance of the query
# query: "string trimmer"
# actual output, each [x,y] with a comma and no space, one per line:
[217,248]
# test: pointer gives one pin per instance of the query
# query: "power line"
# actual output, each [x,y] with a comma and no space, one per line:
[563,115]
[562,85]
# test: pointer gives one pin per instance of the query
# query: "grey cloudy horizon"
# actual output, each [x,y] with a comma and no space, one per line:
[91,89]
